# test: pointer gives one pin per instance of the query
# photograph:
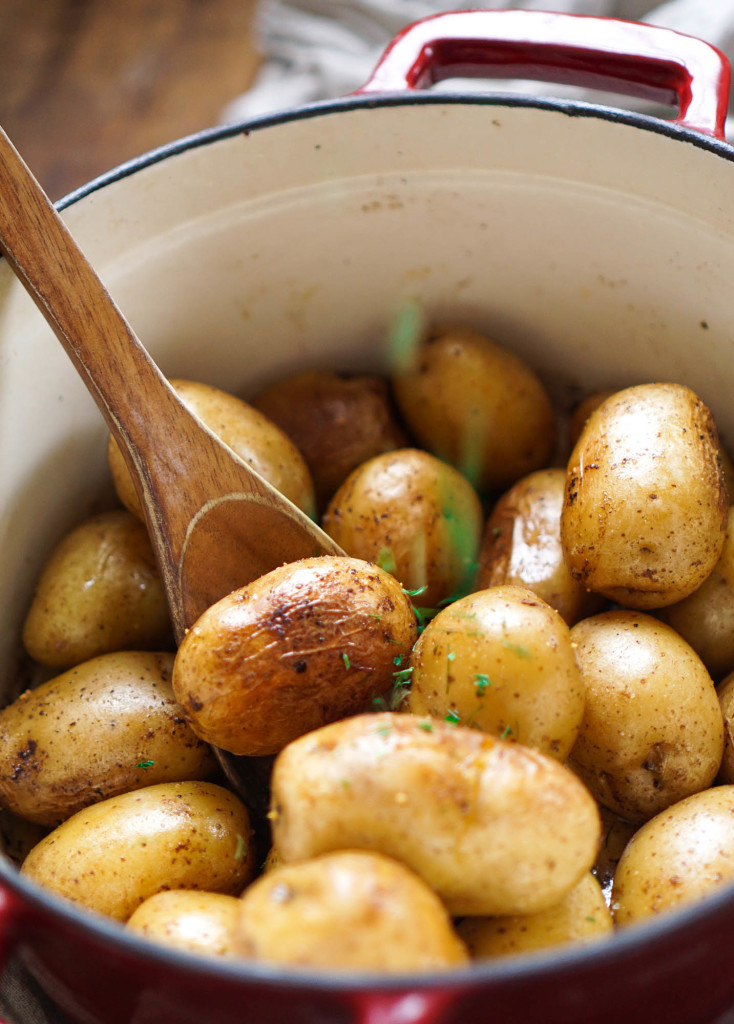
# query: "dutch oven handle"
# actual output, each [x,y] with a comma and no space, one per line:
[603,53]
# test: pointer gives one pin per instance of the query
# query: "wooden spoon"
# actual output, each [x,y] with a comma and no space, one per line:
[215,524]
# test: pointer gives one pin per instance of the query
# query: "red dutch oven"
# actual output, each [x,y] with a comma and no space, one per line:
[597,242]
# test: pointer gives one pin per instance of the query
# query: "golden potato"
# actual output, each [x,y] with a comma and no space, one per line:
[581,916]
[105,727]
[644,517]
[652,731]
[99,591]
[413,515]
[249,434]
[337,422]
[492,827]
[681,855]
[706,617]
[198,922]
[501,660]
[114,855]
[583,410]
[308,643]
[522,546]
[346,910]
[477,406]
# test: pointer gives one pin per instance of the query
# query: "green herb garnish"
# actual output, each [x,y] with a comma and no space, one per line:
[145,764]
[345,659]
[452,717]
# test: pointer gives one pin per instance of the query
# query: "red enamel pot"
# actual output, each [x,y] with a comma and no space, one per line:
[596,242]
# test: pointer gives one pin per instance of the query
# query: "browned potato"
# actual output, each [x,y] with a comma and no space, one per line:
[522,546]
[99,591]
[477,406]
[460,808]
[706,617]
[105,727]
[501,660]
[682,854]
[308,643]
[348,910]
[415,516]
[337,422]
[199,922]
[249,434]
[581,916]
[645,512]
[114,855]
[652,731]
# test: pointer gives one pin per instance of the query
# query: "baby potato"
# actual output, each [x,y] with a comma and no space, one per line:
[581,916]
[583,410]
[337,422]
[681,855]
[310,642]
[725,693]
[477,406]
[706,617]
[114,855]
[652,731]
[644,517]
[198,922]
[98,592]
[501,660]
[249,434]
[522,546]
[413,515]
[492,827]
[348,910]
[105,727]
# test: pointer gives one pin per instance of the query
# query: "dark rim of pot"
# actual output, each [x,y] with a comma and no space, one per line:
[698,918]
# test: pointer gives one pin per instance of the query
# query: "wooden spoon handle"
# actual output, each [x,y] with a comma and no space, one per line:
[121,376]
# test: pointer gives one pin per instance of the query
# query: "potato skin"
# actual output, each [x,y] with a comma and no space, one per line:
[414,515]
[501,660]
[681,855]
[188,919]
[652,731]
[249,434]
[725,693]
[114,855]
[99,591]
[706,617]
[644,517]
[337,422]
[477,406]
[581,916]
[347,910]
[105,727]
[308,643]
[522,546]
[492,827]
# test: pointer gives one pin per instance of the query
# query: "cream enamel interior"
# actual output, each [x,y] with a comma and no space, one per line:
[601,252]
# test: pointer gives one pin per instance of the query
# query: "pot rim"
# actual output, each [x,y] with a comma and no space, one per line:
[620,948]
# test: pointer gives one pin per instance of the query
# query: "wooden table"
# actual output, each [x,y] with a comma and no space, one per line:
[88,84]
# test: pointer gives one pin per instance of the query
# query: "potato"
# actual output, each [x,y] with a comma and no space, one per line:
[413,515]
[105,727]
[501,660]
[309,642]
[346,910]
[198,922]
[114,855]
[652,731]
[337,422]
[522,546]
[706,617]
[725,693]
[644,517]
[492,827]
[249,434]
[681,855]
[477,406]
[581,916]
[584,409]
[98,592]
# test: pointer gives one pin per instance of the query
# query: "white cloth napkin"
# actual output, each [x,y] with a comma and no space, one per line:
[323,49]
